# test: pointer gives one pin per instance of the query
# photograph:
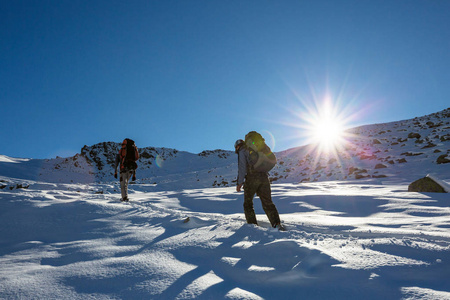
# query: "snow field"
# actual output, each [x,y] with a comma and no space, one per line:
[345,240]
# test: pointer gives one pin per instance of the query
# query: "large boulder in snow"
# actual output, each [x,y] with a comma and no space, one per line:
[426,185]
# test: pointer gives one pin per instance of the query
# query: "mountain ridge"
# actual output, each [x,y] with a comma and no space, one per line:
[376,151]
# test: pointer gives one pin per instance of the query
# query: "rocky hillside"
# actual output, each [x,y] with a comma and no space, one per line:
[155,165]
[410,148]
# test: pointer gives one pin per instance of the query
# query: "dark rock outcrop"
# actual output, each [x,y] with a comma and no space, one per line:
[443,159]
[414,135]
[425,185]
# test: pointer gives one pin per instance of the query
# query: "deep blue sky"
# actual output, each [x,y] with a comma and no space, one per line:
[197,75]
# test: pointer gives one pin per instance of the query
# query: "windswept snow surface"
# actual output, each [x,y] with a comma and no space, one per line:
[345,240]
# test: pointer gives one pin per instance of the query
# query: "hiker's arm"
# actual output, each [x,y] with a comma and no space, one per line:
[136,152]
[242,169]
[116,165]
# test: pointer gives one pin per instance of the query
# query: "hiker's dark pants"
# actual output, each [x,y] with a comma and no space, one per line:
[258,183]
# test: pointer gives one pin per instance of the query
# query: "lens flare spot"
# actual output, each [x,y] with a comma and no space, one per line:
[159,161]
[269,138]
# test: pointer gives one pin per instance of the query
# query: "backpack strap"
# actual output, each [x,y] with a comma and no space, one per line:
[123,154]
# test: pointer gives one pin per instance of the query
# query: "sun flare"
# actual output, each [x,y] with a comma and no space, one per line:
[326,127]
[328,132]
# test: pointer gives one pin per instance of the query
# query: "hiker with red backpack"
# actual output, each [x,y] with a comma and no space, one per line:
[126,158]
[255,160]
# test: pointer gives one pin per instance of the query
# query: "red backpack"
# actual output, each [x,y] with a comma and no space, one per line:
[128,155]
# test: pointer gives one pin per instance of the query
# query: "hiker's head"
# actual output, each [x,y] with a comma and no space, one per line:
[238,145]
[128,143]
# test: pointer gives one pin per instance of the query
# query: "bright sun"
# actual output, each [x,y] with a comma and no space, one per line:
[327,132]
[326,128]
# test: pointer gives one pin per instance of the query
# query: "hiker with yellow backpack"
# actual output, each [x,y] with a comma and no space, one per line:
[126,158]
[255,160]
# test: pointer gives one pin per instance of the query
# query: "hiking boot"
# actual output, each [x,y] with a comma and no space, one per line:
[280,227]
[124,199]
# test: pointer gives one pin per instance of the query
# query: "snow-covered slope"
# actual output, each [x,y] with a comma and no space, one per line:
[408,148]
